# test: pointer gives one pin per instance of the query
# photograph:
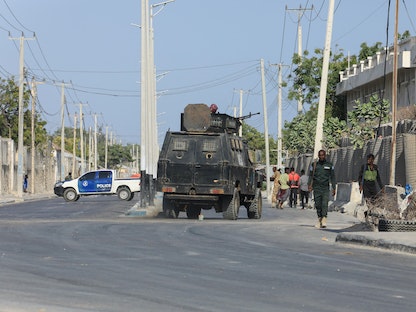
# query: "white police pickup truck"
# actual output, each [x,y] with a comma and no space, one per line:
[99,182]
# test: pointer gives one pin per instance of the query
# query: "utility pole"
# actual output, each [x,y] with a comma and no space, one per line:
[300,11]
[148,124]
[62,176]
[20,116]
[240,131]
[81,137]
[74,151]
[34,95]
[266,127]
[106,147]
[89,148]
[279,119]
[95,143]
[324,81]
[153,150]
[144,82]
[394,101]
[138,157]
[279,115]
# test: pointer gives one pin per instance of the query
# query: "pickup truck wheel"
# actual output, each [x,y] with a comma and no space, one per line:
[70,195]
[131,197]
[124,193]
[231,213]
[256,206]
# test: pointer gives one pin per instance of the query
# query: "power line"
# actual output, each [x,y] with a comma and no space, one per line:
[17,20]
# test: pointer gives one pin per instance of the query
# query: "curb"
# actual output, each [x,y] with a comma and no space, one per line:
[136,211]
[371,242]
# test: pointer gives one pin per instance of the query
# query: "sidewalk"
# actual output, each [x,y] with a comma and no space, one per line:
[359,235]
[10,198]
[396,241]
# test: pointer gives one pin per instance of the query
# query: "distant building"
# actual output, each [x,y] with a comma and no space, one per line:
[363,80]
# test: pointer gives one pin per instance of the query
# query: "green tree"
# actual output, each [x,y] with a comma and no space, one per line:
[307,80]
[367,51]
[405,35]
[118,155]
[69,140]
[365,118]
[255,142]
[299,134]
[9,115]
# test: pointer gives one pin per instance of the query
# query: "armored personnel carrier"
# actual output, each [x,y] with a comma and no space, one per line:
[206,165]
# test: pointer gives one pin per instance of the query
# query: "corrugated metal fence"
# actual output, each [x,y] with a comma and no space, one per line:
[347,161]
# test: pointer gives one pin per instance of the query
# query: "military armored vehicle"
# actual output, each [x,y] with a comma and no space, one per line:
[207,165]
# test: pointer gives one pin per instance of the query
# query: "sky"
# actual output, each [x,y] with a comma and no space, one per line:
[206,51]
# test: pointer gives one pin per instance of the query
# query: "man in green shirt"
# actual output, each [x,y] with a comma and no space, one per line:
[321,174]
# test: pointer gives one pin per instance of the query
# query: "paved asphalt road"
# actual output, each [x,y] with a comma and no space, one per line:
[89,256]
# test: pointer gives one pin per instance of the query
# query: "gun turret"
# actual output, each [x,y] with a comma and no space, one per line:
[248,116]
[199,118]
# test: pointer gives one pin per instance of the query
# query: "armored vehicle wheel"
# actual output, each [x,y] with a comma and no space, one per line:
[70,195]
[193,212]
[256,206]
[124,193]
[169,209]
[231,213]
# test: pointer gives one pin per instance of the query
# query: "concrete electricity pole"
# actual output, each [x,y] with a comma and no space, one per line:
[279,119]
[301,11]
[144,90]
[279,116]
[81,138]
[394,101]
[148,124]
[62,164]
[74,151]
[95,143]
[20,116]
[266,126]
[240,131]
[324,81]
[153,133]
[106,147]
[90,142]
[34,95]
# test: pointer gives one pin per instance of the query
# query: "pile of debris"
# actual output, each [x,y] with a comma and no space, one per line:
[385,214]
[409,207]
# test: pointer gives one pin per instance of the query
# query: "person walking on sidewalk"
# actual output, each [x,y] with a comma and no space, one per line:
[284,188]
[276,185]
[369,179]
[321,174]
[25,183]
[304,188]
[294,186]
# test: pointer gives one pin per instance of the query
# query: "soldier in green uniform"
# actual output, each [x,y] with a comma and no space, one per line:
[320,175]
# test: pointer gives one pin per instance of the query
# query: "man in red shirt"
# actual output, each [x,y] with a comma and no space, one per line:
[294,186]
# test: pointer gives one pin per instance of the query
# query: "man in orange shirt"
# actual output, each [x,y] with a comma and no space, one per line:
[294,186]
